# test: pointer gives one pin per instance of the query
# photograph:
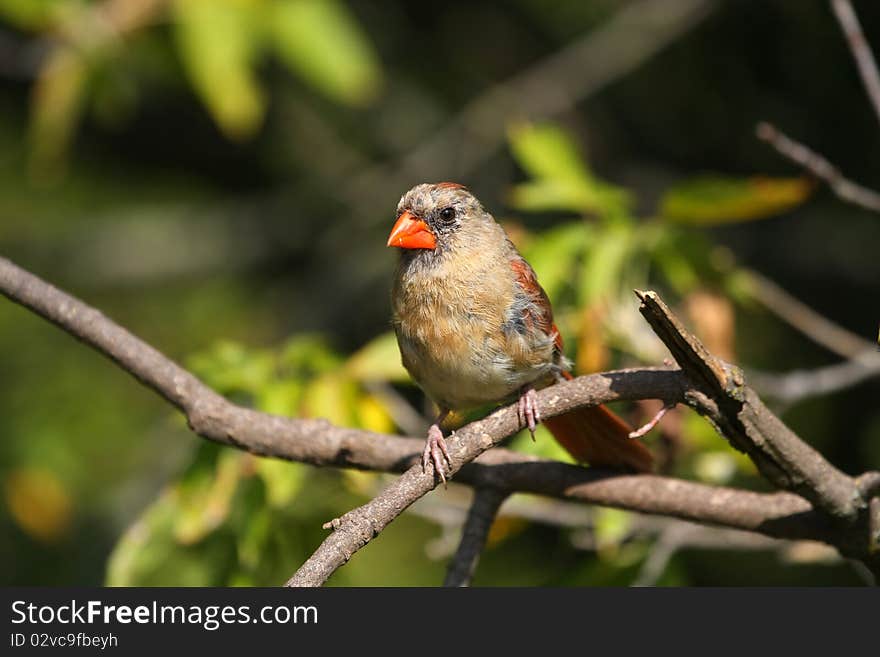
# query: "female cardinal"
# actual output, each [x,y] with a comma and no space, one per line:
[475,327]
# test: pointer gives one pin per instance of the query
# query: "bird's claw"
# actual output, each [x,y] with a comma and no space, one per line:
[435,452]
[527,410]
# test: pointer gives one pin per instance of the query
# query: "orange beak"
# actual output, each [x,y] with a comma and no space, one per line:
[410,232]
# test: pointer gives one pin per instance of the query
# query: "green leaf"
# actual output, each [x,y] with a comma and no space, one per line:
[602,270]
[546,151]
[549,195]
[332,397]
[204,497]
[715,199]
[544,445]
[57,105]
[34,14]
[320,41]
[372,415]
[173,541]
[230,367]
[611,527]
[253,538]
[144,545]
[218,42]
[308,354]
[561,177]
[553,255]
[378,360]
[283,480]
[280,397]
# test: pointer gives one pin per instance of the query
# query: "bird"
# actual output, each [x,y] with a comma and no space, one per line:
[474,327]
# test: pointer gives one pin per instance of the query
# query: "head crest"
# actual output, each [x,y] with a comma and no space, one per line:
[451,185]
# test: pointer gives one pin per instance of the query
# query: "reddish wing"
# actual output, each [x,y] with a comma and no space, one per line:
[594,434]
[539,313]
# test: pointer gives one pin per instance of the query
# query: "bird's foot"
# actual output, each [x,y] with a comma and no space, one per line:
[435,452]
[654,421]
[527,410]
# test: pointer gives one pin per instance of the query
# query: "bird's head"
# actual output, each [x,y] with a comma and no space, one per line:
[431,216]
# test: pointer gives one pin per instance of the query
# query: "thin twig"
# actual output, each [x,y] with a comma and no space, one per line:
[800,316]
[863,359]
[675,536]
[803,384]
[860,50]
[482,513]
[819,167]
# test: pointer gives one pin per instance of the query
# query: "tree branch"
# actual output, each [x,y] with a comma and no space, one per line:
[802,384]
[476,528]
[800,316]
[317,442]
[739,415]
[802,155]
[860,50]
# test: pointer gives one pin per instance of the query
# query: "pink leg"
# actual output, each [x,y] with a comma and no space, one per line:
[435,448]
[527,409]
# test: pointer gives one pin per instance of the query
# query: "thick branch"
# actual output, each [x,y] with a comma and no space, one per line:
[740,416]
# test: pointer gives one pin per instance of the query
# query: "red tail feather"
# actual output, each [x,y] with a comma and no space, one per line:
[595,435]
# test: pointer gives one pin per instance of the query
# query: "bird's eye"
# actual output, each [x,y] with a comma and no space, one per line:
[447,214]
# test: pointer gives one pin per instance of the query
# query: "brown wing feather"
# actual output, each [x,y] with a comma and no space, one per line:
[591,434]
[539,313]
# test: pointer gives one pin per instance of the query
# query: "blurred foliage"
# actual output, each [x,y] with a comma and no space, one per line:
[182,165]
[104,54]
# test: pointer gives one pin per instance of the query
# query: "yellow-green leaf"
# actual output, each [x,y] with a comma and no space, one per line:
[254,535]
[57,105]
[543,195]
[283,480]
[231,367]
[546,151]
[280,397]
[378,360]
[372,415]
[544,445]
[561,177]
[33,14]
[611,527]
[218,42]
[204,497]
[553,255]
[306,354]
[332,397]
[602,270]
[716,199]
[322,43]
